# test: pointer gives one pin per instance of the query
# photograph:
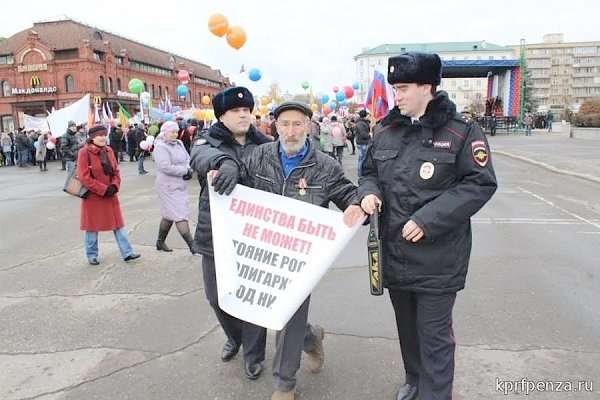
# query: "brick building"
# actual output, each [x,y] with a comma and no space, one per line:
[55,63]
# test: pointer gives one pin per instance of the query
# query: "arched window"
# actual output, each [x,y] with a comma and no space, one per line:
[69,84]
[119,84]
[5,89]
[110,85]
[145,87]
[160,92]
[152,91]
[101,84]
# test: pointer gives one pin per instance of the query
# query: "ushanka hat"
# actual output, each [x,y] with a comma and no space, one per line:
[230,98]
[414,67]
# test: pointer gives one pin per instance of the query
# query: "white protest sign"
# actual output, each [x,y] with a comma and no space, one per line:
[270,252]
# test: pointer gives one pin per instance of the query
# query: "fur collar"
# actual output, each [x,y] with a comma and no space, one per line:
[438,112]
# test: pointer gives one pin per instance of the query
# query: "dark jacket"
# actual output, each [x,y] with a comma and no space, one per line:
[69,146]
[116,139]
[214,146]
[362,131]
[437,173]
[324,177]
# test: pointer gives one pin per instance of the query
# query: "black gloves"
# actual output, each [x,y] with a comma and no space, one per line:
[226,178]
[110,191]
[189,174]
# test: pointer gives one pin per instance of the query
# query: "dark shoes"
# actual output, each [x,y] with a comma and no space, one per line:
[253,370]
[132,256]
[94,261]
[160,245]
[407,392]
[143,172]
[229,350]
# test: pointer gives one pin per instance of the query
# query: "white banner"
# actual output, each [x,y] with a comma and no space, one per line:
[78,112]
[31,123]
[270,252]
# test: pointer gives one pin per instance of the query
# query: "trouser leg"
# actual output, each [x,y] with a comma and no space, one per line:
[405,308]
[91,245]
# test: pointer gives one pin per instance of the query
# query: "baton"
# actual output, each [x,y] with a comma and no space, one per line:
[375,259]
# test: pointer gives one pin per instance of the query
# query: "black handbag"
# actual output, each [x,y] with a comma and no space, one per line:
[73,185]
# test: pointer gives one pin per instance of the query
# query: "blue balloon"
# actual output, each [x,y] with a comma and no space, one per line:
[345,102]
[332,105]
[254,74]
[324,99]
[340,96]
[182,90]
[355,86]
[168,117]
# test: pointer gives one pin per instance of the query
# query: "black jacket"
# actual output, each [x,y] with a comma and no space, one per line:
[69,147]
[216,145]
[437,173]
[362,131]
[324,177]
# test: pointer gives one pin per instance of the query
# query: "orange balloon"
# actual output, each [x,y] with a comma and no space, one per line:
[236,37]
[218,24]
[264,101]
[199,114]
[205,100]
[314,107]
[264,109]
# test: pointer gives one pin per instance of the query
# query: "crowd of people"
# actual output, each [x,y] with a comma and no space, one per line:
[425,167]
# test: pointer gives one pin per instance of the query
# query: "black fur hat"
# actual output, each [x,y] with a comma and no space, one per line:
[415,67]
[230,98]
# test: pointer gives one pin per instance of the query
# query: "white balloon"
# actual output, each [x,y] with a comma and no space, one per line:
[50,146]
[150,139]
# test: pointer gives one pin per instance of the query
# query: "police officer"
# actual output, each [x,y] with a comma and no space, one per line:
[428,171]
[218,153]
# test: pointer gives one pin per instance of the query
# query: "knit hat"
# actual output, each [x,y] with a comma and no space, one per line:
[169,126]
[98,130]
[71,123]
[230,98]
[414,67]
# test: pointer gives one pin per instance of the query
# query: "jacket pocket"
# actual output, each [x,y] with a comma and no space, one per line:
[435,169]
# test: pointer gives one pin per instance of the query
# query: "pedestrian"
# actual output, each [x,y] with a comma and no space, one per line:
[140,136]
[222,148]
[172,171]
[69,146]
[292,167]
[550,119]
[117,140]
[6,144]
[40,152]
[493,125]
[98,170]
[362,132]
[527,122]
[440,166]
[338,138]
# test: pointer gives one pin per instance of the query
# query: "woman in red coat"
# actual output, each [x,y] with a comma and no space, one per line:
[98,171]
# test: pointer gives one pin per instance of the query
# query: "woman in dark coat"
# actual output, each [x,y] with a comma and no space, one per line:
[98,171]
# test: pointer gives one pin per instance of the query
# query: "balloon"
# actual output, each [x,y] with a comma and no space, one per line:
[355,86]
[218,24]
[144,145]
[254,74]
[264,101]
[340,96]
[52,139]
[205,100]
[136,86]
[36,145]
[150,139]
[314,107]
[199,114]
[332,105]
[324,99]
[210,114]
[183,76]
[335,89]
[50,146]
[111,122]
[182,90]
[264,109]
[168,116]
[145,98]
[348,91]
[236,37]
[305,85]
[326,111]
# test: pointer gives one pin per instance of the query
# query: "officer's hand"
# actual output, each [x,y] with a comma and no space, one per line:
[352,215]
[226,178]
[412,232]
[370,203]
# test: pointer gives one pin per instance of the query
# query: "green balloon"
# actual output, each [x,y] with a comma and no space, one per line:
[136,86]
[305,85]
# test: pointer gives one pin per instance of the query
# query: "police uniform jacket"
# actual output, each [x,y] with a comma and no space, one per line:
[437,173]
[317,179]
[209,151]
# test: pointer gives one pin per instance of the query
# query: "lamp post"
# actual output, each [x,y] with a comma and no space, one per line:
[521,82]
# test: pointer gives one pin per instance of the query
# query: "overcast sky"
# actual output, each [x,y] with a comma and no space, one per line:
[314,41]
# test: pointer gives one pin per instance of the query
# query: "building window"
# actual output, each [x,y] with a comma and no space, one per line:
[119,60]
[160,92]
[466,83]
[7,60]
[490,57]
[110,85]
[504,57]
[119,84]
[152,91]
[466,95]
[101,84]
[96,56]
[69,84]
[7,123]
[5,89]
[453,95]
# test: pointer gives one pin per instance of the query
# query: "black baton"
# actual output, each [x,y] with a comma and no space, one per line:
[375,259]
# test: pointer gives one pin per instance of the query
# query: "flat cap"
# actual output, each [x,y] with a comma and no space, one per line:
[293,105]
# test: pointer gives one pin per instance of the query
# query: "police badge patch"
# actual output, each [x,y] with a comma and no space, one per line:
[480,152]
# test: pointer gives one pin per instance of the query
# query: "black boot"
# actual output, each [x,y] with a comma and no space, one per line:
[160,243]
[190,242]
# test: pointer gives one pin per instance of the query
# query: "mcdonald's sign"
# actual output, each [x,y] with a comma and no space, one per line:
[97,100]
[34,81]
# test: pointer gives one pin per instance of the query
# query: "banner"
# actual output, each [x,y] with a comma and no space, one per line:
[78,112]
[31,123]
[270,252]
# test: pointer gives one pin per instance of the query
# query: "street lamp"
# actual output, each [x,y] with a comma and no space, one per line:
[521,82]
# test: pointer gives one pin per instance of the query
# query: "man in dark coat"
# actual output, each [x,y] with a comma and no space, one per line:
[362,133]
[117,141]
[220,151]
[428,170]
[69,146]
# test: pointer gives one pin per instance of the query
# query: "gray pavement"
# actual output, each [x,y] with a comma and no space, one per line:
[144,330]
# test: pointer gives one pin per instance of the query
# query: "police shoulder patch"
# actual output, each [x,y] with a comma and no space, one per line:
[200,141]
[480,152]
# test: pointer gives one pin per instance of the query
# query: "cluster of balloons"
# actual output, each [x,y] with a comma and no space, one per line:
[219,26]
[147,143]
[208,114]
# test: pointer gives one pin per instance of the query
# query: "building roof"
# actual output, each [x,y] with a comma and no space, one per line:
[440,47]
[68,34]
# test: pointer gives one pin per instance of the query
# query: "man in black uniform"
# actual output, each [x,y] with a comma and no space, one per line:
[428,171]
[219,152]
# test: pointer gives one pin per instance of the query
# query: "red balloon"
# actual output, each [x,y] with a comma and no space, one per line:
[183,76]
[335,89]
[326,111]
[51,139]
[348,91]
